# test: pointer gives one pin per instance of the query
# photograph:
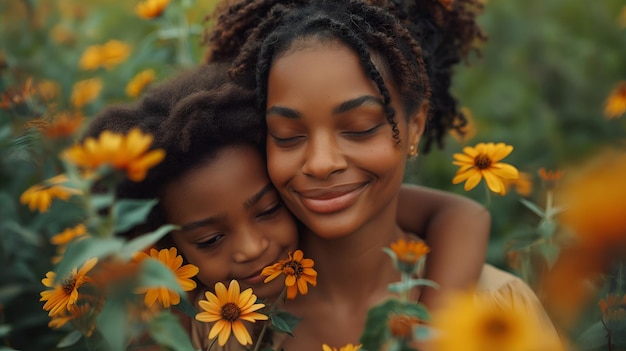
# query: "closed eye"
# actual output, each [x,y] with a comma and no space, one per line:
[270,211]
[286,141]
[211,242]
[363,133]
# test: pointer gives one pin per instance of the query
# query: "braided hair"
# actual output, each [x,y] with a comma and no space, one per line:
[417,43]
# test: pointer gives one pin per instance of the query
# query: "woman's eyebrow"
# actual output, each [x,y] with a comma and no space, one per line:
[283,111]
[358,102]
[256,197]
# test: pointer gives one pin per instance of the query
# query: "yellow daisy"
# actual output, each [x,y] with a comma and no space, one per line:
[348,347]
[615,104]
[139,82]
[64,295]
[298,272]
[482,161]
[479,325]
[129,153]
[39,196]
[150,9]
[107,55]
[173,261]
[228,308]
[85,91]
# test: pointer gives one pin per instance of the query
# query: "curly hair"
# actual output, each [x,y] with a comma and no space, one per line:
[192,117]
[417,42]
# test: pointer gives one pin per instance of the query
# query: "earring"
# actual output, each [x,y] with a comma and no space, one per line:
[413,151]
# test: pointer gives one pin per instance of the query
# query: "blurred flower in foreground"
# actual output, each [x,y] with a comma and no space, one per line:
[48,90]
[173,261]
[468,131]
[64,124]
[84,316]
[129,153]
[401,326]
[613,307]
[482,161]
[407,255]
[17,96]
[85,91]
[150,9]
[107,55]
[65,237]
[39,196]
[470,324]
[65,294]
[615,105]
[228,308]
[139,82]
[298,272]
[348,347]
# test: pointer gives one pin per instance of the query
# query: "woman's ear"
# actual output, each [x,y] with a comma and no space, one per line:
[417,123]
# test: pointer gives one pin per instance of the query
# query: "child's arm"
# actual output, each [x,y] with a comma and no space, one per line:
[455,228]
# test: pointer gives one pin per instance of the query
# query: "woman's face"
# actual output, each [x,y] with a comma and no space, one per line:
[233,221]
[331,152]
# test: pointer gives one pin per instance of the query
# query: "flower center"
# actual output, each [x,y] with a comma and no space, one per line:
[230,312]
[69,284]
[482,161]
[293,268]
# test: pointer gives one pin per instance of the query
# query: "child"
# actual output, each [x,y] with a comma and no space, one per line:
[347,88]
[213,182]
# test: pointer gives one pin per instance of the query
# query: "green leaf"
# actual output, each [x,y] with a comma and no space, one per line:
[129,213]
[399,287]
[284,322]
[5,329]
[112,322]
[375,333]
[167,331]
[186,307]
[550,252]
[547,228]
[391,254]
[9,291]
[422,332]
[154,274]
[416,310]
[70,339]
[594,337]
[145,240]
[101,201]
[79,251]
[533,207]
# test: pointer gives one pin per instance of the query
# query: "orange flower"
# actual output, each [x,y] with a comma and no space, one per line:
[401,326]
[40,196]
[522,185]
[298,272]
[129,153]
[183,274]
[63,125]
[108,55]
[482,161]
[409,251]
[228,308]
[85,91]
[150,9]
[615,104]
[139,82]
[64,295]
[550,178]
[17,96]
[613,307]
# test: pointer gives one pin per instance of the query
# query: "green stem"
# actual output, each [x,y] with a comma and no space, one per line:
[212,343]
[407,286]
[488,197]
[549,205]
[272,308]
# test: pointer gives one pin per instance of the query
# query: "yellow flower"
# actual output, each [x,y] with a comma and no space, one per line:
[482,161]
[479,325]
[183,274]
[40,196]
[129,153]
[298,272]
[85,91]
[48,90]
[615,104]
[108,55]
[68,235]
[150,9]
[83,316]
[228,308]
[63,125]
[139,82]
[348,347]
[64,295]
[594,199]
[522,185]
[409,251]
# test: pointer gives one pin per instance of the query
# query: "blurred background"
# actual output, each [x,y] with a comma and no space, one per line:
[540,84]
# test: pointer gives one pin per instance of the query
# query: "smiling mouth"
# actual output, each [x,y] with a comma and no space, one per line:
[330,200]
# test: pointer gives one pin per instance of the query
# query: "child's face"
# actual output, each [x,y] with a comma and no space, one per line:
[234,223]
[331,152]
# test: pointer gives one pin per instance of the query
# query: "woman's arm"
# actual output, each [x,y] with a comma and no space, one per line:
[455,228]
